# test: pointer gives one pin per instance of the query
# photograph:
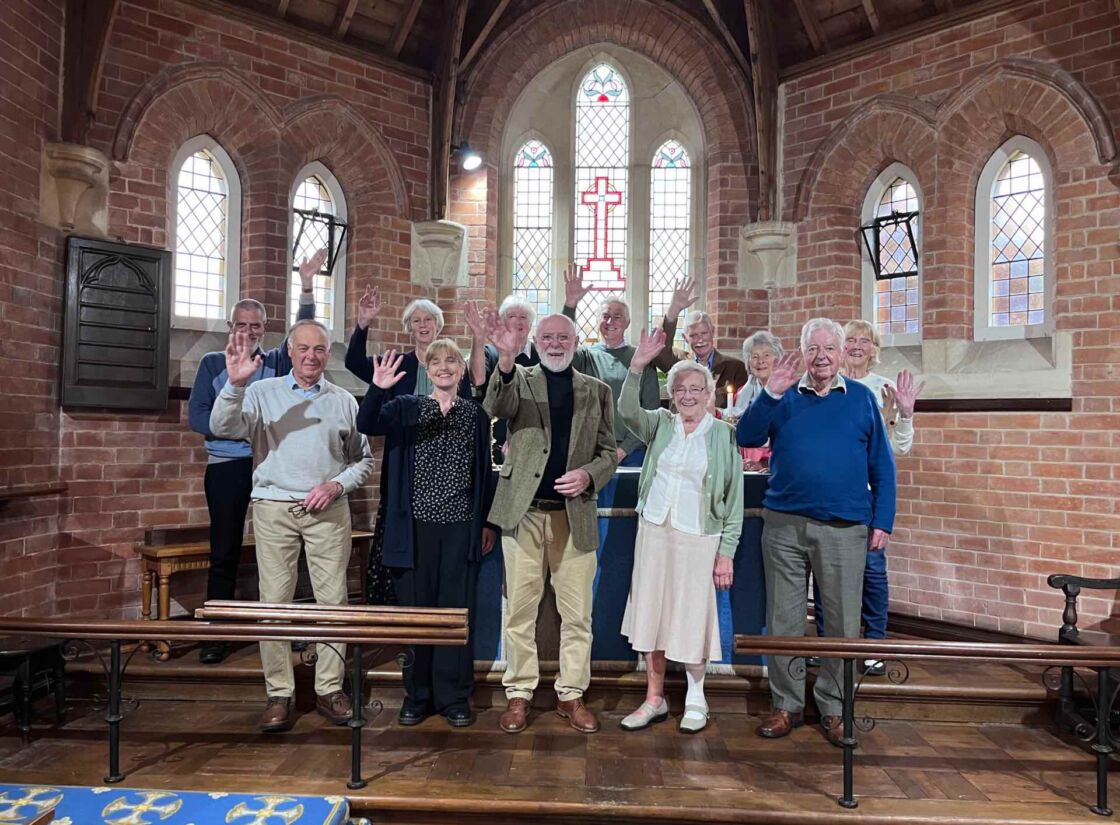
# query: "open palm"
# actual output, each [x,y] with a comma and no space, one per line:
[241,363]
[785,374]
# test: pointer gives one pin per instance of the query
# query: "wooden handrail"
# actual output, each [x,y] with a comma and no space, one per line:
[353,614]
[835,647]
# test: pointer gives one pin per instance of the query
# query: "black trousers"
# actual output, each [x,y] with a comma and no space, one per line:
[439,678]
[228,485]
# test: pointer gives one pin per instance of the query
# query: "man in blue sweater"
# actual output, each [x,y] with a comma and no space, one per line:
[229,469]
[831,499]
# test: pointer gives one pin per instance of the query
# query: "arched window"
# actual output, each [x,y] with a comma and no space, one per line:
[892,292]
[207,228]
[1014,243]
[316,197]
[602,160]
[532,225]
[670,217]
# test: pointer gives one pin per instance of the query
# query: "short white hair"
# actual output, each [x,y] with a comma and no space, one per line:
[681,367]
[567,320]
[762,338]
[853,328]
[251,304]
[427,306]
[698,316]
[516,301]
[615,299]
[813,324]
[309,322]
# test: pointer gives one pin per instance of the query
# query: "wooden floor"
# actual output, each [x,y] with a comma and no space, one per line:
[906,771]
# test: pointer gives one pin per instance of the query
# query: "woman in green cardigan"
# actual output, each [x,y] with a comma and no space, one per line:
[690,516]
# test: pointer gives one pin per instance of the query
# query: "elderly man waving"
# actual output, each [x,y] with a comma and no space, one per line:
[831,498]
[561,453]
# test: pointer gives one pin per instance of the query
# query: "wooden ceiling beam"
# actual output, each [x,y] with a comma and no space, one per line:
[764,60]
[345,15]
[404,28]
[728,38]
[487,28]
[812,26]
[872,16]
[83,53]
[282,7]
[444,111]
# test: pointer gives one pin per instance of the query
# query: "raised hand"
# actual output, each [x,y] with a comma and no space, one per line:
[385,373]
[785,373]
[241,363]
[574,290]
[648,347]
[684,296]
[907,393]
[477,321]
[310,268]
[506,340]
[369,306]
[890,405]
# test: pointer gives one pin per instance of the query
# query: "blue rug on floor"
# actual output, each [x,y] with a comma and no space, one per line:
[21,804]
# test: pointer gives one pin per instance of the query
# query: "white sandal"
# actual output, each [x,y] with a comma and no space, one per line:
[697,721]
[646,715]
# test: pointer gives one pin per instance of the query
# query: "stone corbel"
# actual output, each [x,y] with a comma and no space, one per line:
[74,188]
[768,255]
[439,254]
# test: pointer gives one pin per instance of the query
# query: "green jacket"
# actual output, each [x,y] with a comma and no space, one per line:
[723,484]
[591,446]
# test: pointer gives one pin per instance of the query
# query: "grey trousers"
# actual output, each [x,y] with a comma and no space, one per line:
[792,546]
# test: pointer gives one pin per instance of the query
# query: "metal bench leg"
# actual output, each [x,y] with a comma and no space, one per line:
[113,715]
[1102,745]
[357,721]
[849,742]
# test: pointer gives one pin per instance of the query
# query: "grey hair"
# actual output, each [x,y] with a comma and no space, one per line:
[681,367]
[615,299]
[309,322]
[249,303]
[698,316]
[513,301]
[860,325]
[813,324]
[762,338]
[428,306]
[569,321]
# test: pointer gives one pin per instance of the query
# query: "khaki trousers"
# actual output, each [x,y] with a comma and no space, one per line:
[540,546]
[325,538]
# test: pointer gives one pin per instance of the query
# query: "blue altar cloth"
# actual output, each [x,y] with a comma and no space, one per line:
[741,610]
[20,804]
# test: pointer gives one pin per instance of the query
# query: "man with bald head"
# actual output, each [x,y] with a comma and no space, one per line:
[561,452]
[307,456]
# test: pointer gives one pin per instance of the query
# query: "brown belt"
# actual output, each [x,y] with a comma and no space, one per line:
[546,504]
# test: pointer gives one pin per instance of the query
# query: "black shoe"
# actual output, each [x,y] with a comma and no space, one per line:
[813,661]
[411,716]
[213,653]
[460,717]
[299,647]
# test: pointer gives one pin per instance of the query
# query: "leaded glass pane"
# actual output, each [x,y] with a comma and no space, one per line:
[201,224]
[312,194]
[669,225]
[602,158]
[532,225]
[896,298]
[1018,244]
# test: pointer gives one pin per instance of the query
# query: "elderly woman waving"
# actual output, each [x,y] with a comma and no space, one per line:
[690,516]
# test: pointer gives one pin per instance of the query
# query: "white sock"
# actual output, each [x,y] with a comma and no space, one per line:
[694,675]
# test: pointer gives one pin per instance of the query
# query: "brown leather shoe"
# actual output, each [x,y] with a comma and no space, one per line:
[578,716]
[334,707]
[780,723]
[516,716]
[277,715]
[833,727]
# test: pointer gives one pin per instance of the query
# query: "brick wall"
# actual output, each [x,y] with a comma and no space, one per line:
[30,293]
[988,503]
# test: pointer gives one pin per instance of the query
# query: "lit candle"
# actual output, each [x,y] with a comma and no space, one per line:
[730,397]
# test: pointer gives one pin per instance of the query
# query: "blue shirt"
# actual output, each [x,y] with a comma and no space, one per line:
[303,392]
[831,458]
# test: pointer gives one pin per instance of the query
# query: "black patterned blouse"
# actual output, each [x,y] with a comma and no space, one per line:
[441,479]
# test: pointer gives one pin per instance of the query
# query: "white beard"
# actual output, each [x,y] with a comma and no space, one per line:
[557,363]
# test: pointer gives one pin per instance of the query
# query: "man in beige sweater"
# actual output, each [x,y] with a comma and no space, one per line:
[307,456]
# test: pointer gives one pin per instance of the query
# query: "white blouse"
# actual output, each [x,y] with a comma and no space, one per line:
[678,482]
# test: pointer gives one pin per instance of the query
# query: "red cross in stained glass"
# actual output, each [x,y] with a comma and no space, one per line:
[602,197]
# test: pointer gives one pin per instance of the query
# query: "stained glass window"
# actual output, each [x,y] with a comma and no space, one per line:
[201,227]
[896,298]
[669,219]
[532,225]
[1018,244]
[312,194]
[601,166]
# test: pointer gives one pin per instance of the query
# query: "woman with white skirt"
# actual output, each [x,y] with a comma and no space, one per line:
[690,517]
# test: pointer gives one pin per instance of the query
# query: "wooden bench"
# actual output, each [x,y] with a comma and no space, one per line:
[169,550]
